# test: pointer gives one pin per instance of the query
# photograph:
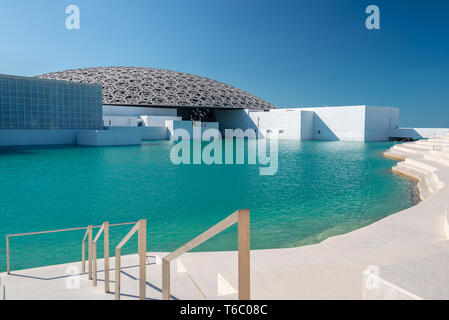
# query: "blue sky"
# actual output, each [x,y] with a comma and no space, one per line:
[290,53]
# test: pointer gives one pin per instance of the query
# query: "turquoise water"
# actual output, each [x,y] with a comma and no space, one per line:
[321,189]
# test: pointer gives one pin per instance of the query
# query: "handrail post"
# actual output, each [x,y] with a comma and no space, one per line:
[117,273]
[89,228]
[142,245]
[83,257]
[106,256]
[241,217]
[95,254]
[244,255]
[7,254]
[165,279]
[94,263]
[140,227]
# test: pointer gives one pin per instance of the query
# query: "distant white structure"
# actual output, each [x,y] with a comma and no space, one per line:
[153,102]
[158,121]
[118,121]
[194,129]
[346,123]
[129,116]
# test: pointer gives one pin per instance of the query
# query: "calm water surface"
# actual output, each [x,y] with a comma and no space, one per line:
[321,189]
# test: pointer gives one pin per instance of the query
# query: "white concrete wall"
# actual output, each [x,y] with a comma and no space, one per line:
[138,111]
[339,123]
[294,123]
[157,121]
[347,123]
[195,129]
[154,133]
[148,133]
[209,125]
[420,133]
[37,137]
[327,123]
[109,137]
[235,119]
[120,121]
[307,118]
[380,122]
[172,125]
[280,123]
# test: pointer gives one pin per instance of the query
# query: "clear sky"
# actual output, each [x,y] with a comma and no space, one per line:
[291,53]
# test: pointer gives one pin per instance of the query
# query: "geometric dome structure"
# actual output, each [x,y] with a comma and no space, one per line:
[133,86]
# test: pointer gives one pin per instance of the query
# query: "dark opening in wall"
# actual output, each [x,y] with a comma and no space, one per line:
[197,114]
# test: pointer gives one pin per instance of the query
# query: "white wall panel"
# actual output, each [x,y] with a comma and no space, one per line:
[138,111]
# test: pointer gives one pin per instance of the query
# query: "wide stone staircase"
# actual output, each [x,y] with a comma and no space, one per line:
[420,160]
[426,275]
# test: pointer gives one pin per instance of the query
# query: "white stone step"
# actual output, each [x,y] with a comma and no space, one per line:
[418,146]
[181,286]
[440,153]
[397,155]
[404,149]
[424,188]
[414,172]
[207,274]
[431,178]
[437,146]
[438,142]
[50,283]
[429,168]
[438,159]
[420,165]
[428,184]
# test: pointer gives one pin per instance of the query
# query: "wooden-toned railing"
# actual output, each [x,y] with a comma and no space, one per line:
[88,235]
[242,218]
[8,267]
[92,251]
[141,228]
[83,252]
[104,229]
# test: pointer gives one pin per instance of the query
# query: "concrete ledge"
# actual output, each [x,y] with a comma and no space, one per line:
[148,133]
[109,138]
[37,137]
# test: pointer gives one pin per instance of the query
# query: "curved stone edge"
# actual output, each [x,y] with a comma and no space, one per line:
[418,162]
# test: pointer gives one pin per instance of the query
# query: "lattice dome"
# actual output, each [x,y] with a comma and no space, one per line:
[156,87]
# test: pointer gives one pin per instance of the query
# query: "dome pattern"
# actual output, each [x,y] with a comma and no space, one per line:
[156,87]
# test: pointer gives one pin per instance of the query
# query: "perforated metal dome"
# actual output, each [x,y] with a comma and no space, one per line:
[156,87]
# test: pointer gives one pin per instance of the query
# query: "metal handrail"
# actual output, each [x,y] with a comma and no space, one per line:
[242,218]
[91,250]
[141,228]
[8,269]
[104,228]
[83,252]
